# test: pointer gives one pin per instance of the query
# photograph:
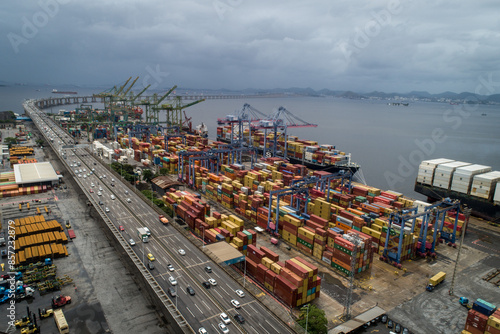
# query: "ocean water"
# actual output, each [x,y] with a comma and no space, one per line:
[389,142]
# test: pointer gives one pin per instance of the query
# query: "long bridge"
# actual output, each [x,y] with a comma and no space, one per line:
[57,101]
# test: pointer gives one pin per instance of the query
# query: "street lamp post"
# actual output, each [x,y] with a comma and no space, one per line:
[245,274]
[203,237]
[307,316]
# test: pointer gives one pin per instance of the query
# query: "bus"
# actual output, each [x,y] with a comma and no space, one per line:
[61,323]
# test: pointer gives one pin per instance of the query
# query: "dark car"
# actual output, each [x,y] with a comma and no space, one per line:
[171,292]
[397,328]
[384,319]
[238,317]
[151,265]
[390,324]
[206,285]
[208,269]
[101,203]
[190,290]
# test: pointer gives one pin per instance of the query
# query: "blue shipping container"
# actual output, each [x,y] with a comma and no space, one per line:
[482,308]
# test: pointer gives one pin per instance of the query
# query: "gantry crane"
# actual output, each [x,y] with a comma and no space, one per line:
[247,114]
[281,119]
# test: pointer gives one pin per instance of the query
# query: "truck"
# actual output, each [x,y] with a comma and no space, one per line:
[436,280]
[163,220]
[464,301]
[142,234]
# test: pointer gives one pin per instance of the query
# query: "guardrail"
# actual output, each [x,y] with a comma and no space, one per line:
[160,293]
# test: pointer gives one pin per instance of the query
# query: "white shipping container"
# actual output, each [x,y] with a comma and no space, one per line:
[435,162]
[451,166]
[496,196]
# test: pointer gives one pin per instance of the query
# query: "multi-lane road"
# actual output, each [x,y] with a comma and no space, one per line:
[126,209]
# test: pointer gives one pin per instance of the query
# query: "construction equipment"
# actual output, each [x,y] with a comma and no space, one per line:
[60,301]
[23,322]
[45,313]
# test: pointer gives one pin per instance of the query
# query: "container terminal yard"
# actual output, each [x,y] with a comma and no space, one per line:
[276,237]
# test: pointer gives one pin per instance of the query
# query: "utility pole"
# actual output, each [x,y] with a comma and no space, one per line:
[467,212]
[348,301]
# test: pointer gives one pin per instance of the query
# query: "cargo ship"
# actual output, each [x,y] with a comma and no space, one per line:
[303,152]
[55,91]
[476,186]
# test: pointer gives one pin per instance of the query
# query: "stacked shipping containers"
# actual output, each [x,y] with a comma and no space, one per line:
[483,318]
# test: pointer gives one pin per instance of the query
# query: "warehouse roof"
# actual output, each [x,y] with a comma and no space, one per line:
[36,172]
[165,182]
[225,253]
[358,321]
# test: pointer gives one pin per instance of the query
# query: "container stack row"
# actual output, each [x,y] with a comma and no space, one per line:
[295,282]
[463,177]
[483,318]
[37,239]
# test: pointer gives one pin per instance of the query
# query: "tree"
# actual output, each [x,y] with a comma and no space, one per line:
[147,175]
[164,171]
[316,322]
[9,141]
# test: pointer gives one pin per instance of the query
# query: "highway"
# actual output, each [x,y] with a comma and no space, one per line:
[129,211]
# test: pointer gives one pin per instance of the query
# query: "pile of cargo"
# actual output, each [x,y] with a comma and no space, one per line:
[21,151]
[211,226]
[483,318]
[461,177]
[294,282]
[363,209]
[9,188]
[37,239]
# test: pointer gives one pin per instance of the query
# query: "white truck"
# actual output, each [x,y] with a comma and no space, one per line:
[142,234]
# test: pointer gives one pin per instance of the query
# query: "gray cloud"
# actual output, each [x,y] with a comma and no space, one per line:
[356,45]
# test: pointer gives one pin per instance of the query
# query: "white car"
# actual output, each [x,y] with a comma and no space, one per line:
[99,193]
[92,185]
[212,281]
[128,200]
[107,209]
[113,197]
[112,180]
[170,267]
[131,242]
[202,330]
[235,303]
[225,318]
[182,252]
[240,293]
[172,280]
[223,328]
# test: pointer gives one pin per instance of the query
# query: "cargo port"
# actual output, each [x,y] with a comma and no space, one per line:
[301,236]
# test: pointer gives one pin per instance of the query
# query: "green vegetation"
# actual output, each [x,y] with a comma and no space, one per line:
[316,319]
[147,175]
[9,141]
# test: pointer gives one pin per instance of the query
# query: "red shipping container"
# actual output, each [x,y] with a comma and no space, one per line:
[473,330]
[318,220]
[296,269]
[492,330]
[270,254]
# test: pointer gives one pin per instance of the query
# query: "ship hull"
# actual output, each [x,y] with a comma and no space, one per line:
[480,207]
[325,168]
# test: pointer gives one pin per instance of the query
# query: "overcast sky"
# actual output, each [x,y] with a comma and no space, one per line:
[391,46]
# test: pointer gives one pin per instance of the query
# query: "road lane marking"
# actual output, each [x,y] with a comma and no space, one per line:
[198,308]
[271,325]
[187,308]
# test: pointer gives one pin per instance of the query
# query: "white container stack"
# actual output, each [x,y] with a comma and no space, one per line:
[443,173]
[421,205]
[462,178]
[483,185]
[426,170]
